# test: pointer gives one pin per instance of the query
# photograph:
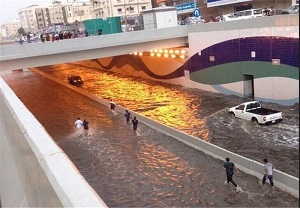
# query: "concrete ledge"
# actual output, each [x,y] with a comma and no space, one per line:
[34,171]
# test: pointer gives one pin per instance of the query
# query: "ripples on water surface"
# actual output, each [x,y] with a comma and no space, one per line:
[168,105]
[198,113]
[152,170]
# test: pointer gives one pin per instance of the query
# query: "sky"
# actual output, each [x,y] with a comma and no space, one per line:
[9,8]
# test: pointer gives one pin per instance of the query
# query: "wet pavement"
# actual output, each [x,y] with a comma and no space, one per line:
[154,169]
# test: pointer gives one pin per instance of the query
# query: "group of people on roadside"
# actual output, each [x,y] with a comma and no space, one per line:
[269,12]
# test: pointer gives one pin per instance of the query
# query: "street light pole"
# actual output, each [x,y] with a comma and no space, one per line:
[78,14]
[125,16]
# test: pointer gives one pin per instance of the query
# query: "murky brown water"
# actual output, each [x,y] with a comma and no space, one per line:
[153,169]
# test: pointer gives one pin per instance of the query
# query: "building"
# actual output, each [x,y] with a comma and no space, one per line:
[28,17]
[10,30]
[37,18]
[213,8]
[122,8]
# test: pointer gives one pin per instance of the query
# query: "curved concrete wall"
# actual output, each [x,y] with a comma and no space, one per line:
[34,171]
[283,181]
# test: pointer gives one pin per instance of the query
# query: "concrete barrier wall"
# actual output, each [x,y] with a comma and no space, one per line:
[282,180]
[34,171]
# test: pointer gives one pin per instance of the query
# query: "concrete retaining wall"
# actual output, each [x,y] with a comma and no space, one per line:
[34,171]
[282,180]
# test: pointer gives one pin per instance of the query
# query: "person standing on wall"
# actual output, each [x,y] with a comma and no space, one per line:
[229,166]
[268,173]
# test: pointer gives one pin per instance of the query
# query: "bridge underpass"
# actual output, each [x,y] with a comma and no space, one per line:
[14,55]
[152,169]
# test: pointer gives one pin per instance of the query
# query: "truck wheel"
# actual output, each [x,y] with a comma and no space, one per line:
[232,113]
[254,120]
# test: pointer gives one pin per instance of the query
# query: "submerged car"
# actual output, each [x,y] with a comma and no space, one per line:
[75,80]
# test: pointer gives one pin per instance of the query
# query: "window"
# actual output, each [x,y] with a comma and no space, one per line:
[143,7]
[257,11]
[120,10]
[248,13]
[241,107]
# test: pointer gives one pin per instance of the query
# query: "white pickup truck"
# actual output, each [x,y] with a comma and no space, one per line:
[253,111]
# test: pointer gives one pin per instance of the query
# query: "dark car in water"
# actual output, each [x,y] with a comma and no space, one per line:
[75,80]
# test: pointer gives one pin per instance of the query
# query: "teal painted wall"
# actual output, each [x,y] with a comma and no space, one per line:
[233,72]
[108,26]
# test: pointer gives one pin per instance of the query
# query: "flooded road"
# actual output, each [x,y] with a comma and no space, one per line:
[153,169]
[198,113]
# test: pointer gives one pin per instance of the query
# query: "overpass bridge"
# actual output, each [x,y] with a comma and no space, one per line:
[70,50]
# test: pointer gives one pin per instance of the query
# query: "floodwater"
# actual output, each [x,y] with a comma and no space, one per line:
[153,169]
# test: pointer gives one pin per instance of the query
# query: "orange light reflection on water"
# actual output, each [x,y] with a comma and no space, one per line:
[165,104]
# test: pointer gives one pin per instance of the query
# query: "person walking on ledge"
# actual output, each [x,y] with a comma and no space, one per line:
[112,105]
[134,124]
[229,166]
[268,173]
[127,115]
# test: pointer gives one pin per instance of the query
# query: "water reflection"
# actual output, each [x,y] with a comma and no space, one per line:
[170,106]
[153,169]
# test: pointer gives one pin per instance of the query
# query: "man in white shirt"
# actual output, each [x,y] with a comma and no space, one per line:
[78,123]
[268,173]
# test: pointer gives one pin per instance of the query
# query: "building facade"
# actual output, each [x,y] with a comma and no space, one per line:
[213,8]
[28,18]
[36,17]
[115,8]
[10,30]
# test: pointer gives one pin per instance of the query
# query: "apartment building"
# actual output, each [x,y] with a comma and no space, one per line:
[37,17]
[28,17]
[77,11]
[115,8]
[10,29]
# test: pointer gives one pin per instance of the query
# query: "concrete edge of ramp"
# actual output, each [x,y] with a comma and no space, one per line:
[34,171]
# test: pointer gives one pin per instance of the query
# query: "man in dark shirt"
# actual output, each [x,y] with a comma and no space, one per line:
[229,171]
[85,124]
[127,116]
[134,124]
